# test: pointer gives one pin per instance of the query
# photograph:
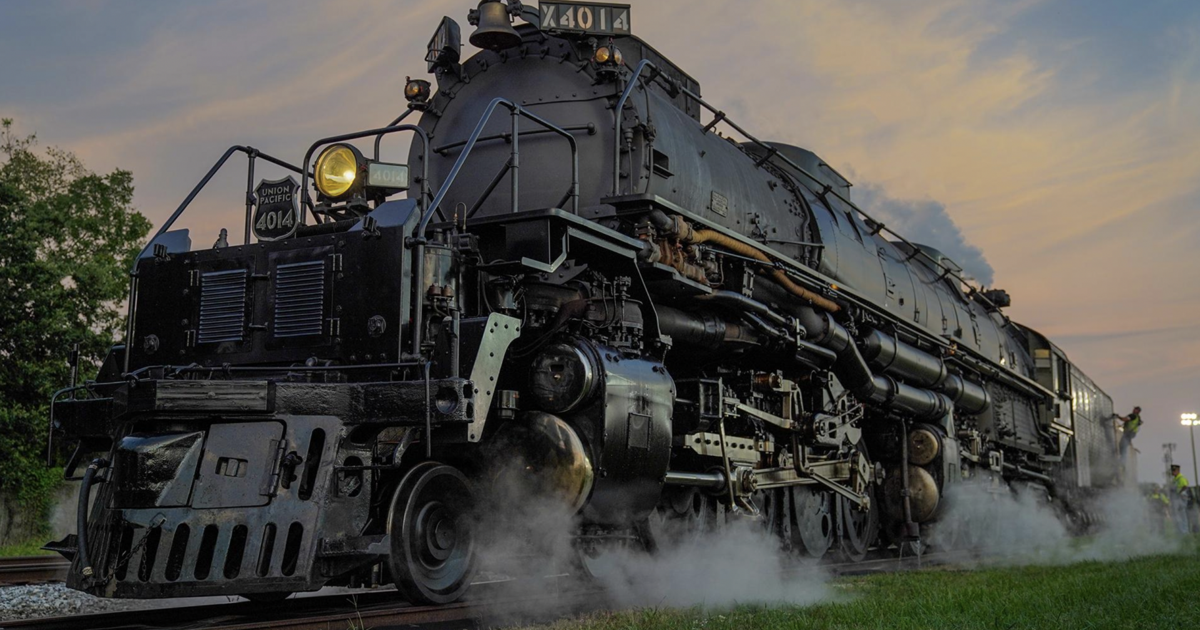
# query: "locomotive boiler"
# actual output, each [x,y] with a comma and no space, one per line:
[584,275]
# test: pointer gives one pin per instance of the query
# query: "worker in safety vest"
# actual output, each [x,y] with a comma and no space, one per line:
[1179,500]
[1129,429]
[1160,508]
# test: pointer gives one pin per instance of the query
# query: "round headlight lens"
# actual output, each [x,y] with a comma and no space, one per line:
[602,55]
[336,170]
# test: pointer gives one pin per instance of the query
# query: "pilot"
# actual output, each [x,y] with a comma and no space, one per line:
[1131,423]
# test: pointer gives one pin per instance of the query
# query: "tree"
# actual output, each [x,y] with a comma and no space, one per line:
[67,240]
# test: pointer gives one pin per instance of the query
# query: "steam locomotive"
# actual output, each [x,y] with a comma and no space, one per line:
[578,278]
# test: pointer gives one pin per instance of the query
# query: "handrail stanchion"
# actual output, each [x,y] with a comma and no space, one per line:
[249,194]
[514,161]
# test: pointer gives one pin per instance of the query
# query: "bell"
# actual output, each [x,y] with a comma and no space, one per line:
[495,30]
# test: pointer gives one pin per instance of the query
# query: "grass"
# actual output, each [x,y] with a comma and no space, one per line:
[1151,592]
[30,548]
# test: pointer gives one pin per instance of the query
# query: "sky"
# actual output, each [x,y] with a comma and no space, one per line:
[1054,144]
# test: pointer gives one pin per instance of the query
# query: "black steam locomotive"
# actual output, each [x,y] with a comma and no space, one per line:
[586,278]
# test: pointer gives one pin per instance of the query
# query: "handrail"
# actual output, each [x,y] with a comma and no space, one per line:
[251,154]
[378,133]
[771,154]
[514,164]
[517,111]
[399,119]
[633,79]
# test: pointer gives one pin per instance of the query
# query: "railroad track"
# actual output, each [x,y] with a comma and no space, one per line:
[501,602]
[493,603]
[33,570]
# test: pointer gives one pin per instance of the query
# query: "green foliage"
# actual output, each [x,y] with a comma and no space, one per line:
[67,239]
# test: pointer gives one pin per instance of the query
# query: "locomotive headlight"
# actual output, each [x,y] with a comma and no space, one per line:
[337,170]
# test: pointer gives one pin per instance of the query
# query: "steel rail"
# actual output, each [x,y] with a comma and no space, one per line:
[368,609]
[33,569]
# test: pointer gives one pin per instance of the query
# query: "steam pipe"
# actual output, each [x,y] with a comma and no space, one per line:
[968,396]
[739,301]
[911,529]
[1025,472]
[895,356]
[923,369]
[778,274]
[708,481]
[854,373]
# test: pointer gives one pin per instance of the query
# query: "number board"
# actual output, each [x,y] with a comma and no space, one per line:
[445,46]
[586,17]
[275,216]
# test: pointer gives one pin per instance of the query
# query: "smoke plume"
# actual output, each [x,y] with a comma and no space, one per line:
[925,222]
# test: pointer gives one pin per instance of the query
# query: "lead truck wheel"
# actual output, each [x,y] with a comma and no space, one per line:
[432,547]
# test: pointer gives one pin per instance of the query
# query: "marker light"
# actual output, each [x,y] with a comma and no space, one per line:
[336,169]
[608,55]
[416,90]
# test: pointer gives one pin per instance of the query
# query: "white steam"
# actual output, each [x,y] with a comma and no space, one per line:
[741,564]
[1010,528]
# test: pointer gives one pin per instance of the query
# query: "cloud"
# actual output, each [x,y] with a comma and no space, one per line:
[925,222]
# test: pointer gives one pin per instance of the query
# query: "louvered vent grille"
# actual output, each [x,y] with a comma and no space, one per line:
[300,299]
[222,306]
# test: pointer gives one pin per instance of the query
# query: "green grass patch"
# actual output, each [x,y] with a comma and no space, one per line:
[1150,592]
[30,548]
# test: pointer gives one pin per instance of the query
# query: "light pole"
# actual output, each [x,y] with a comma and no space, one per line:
[1190,421]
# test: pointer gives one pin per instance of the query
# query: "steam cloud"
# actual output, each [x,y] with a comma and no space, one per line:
[925,222]
[1023,528]
[742,564]
[528,536]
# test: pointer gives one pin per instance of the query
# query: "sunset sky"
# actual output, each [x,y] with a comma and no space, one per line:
[1060,140]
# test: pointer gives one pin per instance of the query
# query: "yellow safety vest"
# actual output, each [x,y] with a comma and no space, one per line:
[1181,483]
[1135,421]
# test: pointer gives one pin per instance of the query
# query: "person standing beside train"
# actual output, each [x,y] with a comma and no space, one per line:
[1179,500]
[1129,429]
